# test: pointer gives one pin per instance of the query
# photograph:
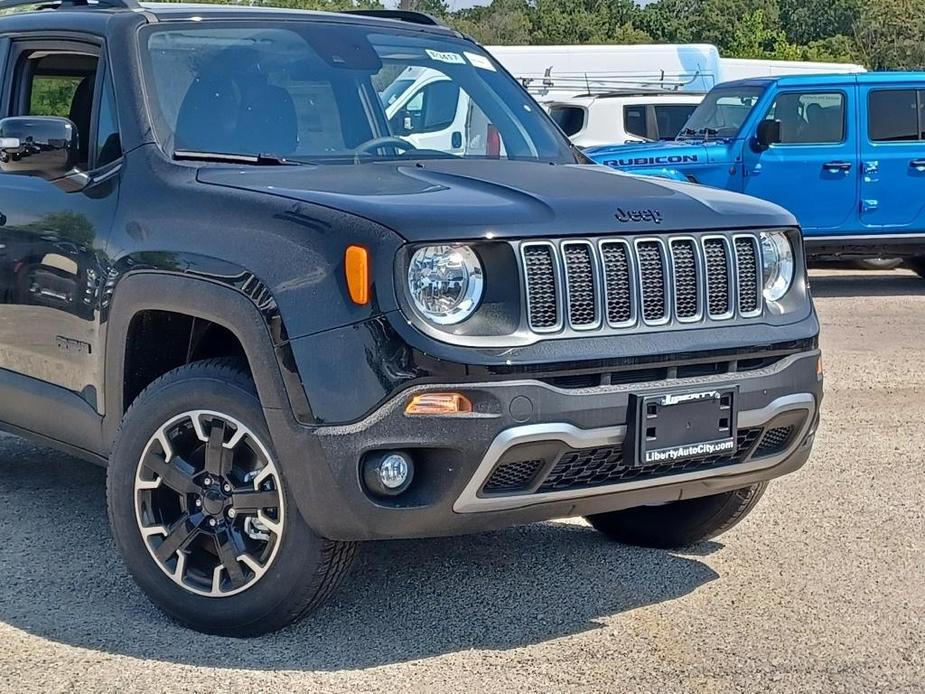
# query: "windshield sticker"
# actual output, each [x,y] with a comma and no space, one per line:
[444,57]
[480,61]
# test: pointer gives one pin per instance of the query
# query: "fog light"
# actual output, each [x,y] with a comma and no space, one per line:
[389,473]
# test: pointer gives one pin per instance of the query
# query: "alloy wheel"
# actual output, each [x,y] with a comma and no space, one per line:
[209,503]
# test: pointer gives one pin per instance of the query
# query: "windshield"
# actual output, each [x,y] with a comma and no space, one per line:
[326,93]
[721,113]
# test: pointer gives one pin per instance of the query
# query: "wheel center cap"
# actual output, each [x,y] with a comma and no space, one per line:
[213,502]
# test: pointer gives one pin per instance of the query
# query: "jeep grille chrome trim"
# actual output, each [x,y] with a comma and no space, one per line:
[583,285]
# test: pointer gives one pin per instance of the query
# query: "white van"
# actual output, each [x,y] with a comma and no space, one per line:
[609,119]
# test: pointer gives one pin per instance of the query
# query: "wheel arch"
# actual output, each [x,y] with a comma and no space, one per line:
[257,329]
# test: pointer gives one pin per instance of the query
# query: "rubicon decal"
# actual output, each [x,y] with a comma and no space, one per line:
[646,215]
[667,159]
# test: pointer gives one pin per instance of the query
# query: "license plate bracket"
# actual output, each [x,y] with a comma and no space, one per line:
[675,426]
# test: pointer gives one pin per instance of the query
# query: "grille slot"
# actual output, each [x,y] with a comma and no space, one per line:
[617,280]
[652,281]
[686,286]
[747,273]
[542,289]
[717,264]
[513,477]
[580,285]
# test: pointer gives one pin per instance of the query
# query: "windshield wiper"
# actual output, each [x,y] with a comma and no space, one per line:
[252,159]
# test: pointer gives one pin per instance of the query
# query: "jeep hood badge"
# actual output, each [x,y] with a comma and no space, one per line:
[645,215]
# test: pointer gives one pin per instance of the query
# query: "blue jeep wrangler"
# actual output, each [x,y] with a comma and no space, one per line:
[844,153]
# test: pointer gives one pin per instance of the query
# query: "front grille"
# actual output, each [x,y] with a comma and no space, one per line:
[614,284]
[596,467]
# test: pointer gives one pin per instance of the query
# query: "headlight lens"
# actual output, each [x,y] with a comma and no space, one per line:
[445,283]
[777,264]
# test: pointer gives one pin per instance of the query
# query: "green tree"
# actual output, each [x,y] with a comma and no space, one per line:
[889,34]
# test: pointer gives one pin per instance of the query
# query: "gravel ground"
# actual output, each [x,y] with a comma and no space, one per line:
[821,589]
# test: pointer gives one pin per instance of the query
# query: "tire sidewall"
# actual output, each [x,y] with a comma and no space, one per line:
[300,549]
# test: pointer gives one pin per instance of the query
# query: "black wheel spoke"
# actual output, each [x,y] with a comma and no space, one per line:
[178,537]
[218,458]
[253,501]
[228,555]
[170,474]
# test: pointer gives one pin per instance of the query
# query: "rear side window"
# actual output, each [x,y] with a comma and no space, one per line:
[570,118]
[895,115]
[671,118]
[634,119]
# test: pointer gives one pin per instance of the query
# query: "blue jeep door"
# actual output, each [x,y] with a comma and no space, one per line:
[812,171]
[893,159]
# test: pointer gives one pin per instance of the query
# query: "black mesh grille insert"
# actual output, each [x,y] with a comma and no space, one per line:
[774,441]
[512,477]
[652,280]
[617,281]
[747,259]
[686,292]
[717,260]
[539,267]
[579,277]
[596,467]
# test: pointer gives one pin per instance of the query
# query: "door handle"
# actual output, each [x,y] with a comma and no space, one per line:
[834,166]
[917,164]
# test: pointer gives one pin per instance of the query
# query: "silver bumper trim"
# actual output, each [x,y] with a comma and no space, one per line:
[470,501]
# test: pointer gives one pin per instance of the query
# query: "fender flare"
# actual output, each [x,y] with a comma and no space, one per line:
[271,364]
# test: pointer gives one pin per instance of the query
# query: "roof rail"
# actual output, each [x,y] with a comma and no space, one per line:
[400,15]
[605,82]
[66,4]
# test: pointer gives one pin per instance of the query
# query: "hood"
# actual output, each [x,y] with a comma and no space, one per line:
[670,153]
[467,199]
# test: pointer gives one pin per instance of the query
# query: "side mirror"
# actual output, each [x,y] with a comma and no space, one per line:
[38,146]
[768,134]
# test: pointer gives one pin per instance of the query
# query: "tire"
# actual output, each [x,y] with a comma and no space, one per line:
[878,264]
[917,265]
[237,571]
[680,523]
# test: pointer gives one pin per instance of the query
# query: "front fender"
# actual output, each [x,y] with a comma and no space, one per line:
[660,172]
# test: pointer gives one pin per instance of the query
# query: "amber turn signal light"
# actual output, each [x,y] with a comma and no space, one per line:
[436,404]
[356,266]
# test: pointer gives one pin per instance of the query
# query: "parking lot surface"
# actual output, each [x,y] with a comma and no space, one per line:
[822,588]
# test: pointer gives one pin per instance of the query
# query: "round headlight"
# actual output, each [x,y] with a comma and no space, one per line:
[445,283]
[777,264]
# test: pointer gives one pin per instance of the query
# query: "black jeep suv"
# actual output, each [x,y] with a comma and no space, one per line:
[306,279]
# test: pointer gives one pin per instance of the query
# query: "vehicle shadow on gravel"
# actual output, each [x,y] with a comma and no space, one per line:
[860,284]
[63,581]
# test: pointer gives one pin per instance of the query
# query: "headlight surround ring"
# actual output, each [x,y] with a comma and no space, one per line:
[445,282]
[777,264]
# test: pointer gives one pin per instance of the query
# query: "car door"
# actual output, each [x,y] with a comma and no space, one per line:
[52,238]
[812,171]
[893,158]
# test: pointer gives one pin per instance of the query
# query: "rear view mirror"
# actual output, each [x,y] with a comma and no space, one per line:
[768,134]
[38,146]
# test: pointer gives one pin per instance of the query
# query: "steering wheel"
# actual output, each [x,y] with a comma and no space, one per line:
[378,142]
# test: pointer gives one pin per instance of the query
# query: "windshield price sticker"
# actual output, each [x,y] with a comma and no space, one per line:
[480,61]
[445,57]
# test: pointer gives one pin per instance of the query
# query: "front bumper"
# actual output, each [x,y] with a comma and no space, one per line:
[455,457]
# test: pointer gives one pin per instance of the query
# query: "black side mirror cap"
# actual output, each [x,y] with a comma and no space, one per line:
[768,134]
[38,146]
